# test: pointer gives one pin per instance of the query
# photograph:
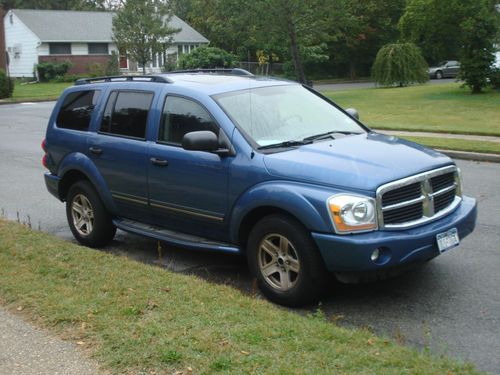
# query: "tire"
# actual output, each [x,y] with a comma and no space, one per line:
[87,217]
[285,261]
[439,74]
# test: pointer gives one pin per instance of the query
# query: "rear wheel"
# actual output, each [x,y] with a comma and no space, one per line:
[87,217]
[285,261]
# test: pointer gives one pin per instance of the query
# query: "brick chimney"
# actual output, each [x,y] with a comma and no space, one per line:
[3,50]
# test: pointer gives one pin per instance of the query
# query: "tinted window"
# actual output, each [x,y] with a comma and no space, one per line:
[60,48]
[98,48]
[127,113]
[77,109]
[181,116]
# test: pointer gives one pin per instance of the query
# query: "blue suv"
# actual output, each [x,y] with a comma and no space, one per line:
[225,161]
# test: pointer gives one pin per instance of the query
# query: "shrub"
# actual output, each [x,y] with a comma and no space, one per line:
[6,85]
[48,71]
[399,64]
[113,67]
[96,69]
[206,58]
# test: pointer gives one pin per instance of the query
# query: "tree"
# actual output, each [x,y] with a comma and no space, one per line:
[141,29]
[399,64]
[477,51]
[456,28]
[207,57]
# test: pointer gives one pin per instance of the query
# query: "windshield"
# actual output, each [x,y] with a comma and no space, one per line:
[278,114]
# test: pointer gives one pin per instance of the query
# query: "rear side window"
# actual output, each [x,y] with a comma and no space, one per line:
[181,116]
[77,109]
[126,114]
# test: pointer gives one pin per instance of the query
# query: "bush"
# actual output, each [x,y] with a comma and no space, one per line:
[207,58]
[96,69]
[399,64]
[113,67]
[6,85]
[48,71]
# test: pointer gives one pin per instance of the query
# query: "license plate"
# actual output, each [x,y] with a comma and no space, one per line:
[447,240]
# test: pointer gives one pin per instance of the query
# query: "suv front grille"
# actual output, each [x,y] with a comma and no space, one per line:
[418,199]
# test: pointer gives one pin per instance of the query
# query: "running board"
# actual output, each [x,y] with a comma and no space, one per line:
[174,238]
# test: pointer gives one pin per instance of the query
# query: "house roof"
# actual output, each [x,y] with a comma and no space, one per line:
[83,26]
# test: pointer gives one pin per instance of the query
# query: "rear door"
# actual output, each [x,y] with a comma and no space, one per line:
[119,150]
[187,189]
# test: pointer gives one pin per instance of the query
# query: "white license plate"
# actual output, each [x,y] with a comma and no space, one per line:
[447,240]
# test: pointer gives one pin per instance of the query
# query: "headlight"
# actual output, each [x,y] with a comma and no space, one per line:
[352,213]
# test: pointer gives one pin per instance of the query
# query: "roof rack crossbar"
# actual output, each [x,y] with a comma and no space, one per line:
[143,78]
[231,71]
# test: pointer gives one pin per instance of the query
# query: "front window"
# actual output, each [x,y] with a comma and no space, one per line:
[291,113]
[98,48]
[60,48]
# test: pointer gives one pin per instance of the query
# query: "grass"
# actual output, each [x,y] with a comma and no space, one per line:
[138,318]
[37,91]
[444,108]
[457,144]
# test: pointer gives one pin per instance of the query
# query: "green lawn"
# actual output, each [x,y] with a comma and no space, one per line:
[136,318]
[435,108]
[457,144]
[38,91]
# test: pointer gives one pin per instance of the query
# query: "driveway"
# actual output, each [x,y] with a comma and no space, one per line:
[451,305]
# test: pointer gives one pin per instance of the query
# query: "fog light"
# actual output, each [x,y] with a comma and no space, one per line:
[375,255]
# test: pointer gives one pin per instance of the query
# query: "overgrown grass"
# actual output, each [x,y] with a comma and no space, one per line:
[38,91]
[136,317]
[457,144]
[436,108]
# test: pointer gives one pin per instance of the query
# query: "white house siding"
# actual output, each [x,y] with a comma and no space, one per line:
[18,35]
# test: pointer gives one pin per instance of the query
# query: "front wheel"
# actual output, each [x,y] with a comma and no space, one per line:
[88,219]
[439,74]
[285,261]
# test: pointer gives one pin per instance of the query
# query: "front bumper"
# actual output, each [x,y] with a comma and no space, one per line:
[352,253]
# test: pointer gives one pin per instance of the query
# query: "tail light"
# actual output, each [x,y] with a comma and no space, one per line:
[44,158]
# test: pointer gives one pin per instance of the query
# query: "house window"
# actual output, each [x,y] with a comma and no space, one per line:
[60,48]
[98,49]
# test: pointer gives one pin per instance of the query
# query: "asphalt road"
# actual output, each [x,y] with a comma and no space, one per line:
[451,305]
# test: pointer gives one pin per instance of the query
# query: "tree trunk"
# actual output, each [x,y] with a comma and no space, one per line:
[297,61]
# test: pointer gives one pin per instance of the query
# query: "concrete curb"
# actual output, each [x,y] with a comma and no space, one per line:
[475,156]
[3,102]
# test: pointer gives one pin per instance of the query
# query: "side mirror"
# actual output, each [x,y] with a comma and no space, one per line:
[200,141]
[353,113]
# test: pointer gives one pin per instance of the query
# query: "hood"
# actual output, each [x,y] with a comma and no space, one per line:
[361,162]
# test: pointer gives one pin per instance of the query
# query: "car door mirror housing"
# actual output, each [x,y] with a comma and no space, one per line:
[353,112]
[203,140]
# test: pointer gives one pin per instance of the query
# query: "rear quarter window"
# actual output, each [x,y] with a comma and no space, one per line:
[76,110]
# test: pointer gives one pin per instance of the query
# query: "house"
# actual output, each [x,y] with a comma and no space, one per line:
[81,37]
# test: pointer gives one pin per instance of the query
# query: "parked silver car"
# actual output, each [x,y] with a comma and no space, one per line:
[445,69]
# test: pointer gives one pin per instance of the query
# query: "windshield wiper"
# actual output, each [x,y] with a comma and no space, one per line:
[328,135]
[285,144]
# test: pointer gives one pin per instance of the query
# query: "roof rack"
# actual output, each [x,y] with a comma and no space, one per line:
[144,78]
[230,71]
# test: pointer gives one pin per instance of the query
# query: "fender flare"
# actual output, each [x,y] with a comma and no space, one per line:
[77,161]
[307,204]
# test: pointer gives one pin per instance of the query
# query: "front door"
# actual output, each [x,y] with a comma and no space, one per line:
[187,189]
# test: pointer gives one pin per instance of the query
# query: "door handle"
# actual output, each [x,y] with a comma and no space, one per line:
[95,150]
[159,162]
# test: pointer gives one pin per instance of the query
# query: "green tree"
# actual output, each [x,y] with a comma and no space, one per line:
[466,29]
[141,28]
[477,50]
[53,4]
[399,64]
[207,57]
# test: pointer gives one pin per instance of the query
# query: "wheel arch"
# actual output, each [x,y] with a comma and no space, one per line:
[76,167]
